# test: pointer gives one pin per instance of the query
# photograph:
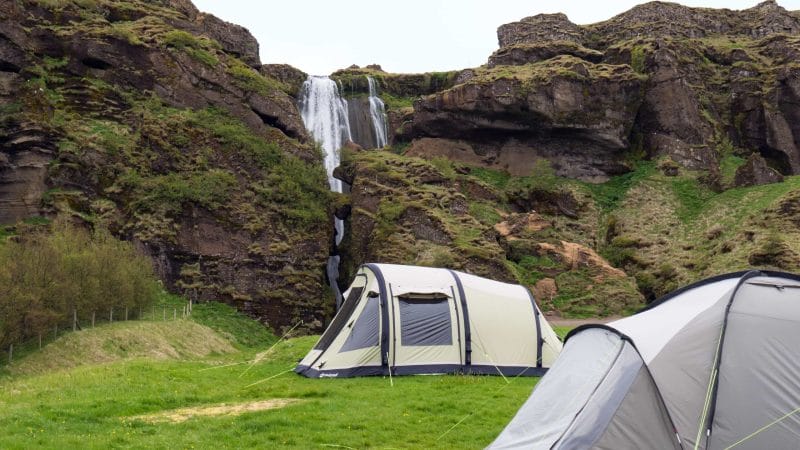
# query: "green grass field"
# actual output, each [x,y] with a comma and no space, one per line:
[95,405]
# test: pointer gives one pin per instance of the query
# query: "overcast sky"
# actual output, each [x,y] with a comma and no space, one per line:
[321,36]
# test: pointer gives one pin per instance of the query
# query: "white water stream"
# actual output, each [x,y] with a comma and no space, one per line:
[325,116]
[377,112]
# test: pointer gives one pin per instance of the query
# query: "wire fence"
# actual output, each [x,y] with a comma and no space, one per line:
[84,320]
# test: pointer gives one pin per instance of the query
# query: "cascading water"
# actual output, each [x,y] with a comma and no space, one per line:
[324,114]
[377,112]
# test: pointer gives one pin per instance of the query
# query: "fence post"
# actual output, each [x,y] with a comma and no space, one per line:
[140,313]
[92,319]
[165,313]
[10,353]
[190,306]
[174,313]
[55,332]
[74,319]
[111,315]
[154,312]
[126,313]
[40,341]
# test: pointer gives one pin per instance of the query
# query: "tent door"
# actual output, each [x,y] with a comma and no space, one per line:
[427,331]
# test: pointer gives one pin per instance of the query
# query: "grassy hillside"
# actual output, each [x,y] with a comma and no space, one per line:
[586,250]
[131,402]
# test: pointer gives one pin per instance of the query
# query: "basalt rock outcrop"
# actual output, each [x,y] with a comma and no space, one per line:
[755,171]
[152,119]
[661,80]
[568,110]
[411,211]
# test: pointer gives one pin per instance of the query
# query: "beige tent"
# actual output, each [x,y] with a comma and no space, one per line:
[403,320]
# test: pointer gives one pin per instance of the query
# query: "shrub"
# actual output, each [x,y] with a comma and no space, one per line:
[45,276]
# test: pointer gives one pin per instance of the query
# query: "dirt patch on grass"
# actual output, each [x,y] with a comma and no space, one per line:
[184,414]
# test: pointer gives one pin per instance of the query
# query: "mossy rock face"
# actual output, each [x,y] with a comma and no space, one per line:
[407,210]
[398,86]
[521,54]
[572,112]
[659,80]
[149,119]
[410,211]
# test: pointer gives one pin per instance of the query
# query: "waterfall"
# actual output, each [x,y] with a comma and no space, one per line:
[324,114]
[377,112]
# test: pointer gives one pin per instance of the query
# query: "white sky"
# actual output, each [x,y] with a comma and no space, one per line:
[403,36]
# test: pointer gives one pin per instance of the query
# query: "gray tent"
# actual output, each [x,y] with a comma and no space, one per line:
[403,320]
[715,365]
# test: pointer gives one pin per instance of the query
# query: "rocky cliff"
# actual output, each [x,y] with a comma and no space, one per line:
[601,165]
[159,122]
[659,80]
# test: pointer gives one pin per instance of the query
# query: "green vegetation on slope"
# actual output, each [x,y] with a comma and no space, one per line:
[237,328]
[670,231]
[662,224]
[158,340]
[45,277]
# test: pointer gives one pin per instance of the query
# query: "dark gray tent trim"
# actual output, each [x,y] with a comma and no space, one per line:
[384,317]
[465,312]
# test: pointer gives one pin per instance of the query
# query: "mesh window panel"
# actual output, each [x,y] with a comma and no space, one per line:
[425,321]
[365,329]
[341,319]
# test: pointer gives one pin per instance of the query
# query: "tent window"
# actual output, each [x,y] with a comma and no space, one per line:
[341,319]
[364,330]
[425,321]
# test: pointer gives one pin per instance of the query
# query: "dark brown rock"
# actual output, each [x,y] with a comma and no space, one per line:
[575,113]
[756,172]
[520,54]
[540,28]
[287,74]
[235,39]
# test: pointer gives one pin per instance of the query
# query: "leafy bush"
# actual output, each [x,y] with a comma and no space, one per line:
[45,276]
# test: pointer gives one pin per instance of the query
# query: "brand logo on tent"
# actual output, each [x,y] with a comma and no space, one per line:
[329,375]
